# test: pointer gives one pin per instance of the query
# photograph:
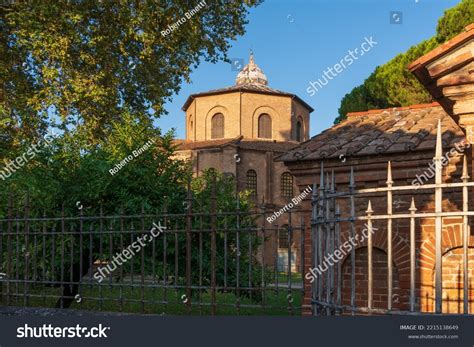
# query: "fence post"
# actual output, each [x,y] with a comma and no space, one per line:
[213,244]
[27,250]
[302,254]
[337,215]
[465,236]
[314,242]
[438,221]
[188,245]
[332,238]
[352,203]
[412,255]
[320,230]
[369,258]
[9,246]
[389,237]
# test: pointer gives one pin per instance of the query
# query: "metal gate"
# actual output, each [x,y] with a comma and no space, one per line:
[334,219]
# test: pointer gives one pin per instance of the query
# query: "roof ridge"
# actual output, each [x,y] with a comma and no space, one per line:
[381,110]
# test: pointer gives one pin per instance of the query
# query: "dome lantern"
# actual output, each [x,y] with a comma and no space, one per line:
[251,74]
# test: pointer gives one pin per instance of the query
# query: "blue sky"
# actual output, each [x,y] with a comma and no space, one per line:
[294,41]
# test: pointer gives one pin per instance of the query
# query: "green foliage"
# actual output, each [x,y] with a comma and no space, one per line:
[455,20]
[82,63]
[391,84]
[71,169]
[242,245]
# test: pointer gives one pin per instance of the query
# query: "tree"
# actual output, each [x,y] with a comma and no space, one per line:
[391,84]
[79,64]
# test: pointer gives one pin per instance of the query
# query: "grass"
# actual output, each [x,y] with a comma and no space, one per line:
[125,298]
[295,278]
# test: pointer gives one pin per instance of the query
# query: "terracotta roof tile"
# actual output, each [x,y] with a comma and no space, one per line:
[251,144]
[182,145]
[394,130]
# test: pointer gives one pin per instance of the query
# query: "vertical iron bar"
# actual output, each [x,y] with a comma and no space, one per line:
[43,270]
[332,238]
[353,216]
[71,260]
[277,256]
[321,209]
[465,236]
[262,274]
[165,256]
[101,254]
[122,229]
[81,249]
[213,244]
[389,237]
[17,255]
[142,264]
[438,221]
[200,262]
[369,261]
[327,243]
[289,234]
[302,254]
[90,254]
[9,246]
[62,256]
[176,254]
[412,255]
[237,242]
[27,250]
[225,252]
[314,242]
[337,215]
[188,245]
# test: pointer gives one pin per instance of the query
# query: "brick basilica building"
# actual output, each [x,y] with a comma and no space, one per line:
[238,131]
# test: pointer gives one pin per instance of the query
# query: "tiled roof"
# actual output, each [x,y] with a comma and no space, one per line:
[182,145]
[249,87]
[271,146]
[251,144]
[374,132]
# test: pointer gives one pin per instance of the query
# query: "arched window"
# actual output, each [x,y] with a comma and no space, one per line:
[283,237]
[265,126]
[252,182]
[286,185]
[217,126]
[299,131]
[190,124]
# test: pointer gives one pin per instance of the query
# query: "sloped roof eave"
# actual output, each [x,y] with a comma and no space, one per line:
[191,97]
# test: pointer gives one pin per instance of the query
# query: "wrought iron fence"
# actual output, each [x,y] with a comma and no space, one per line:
[193,262]
[334,220]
